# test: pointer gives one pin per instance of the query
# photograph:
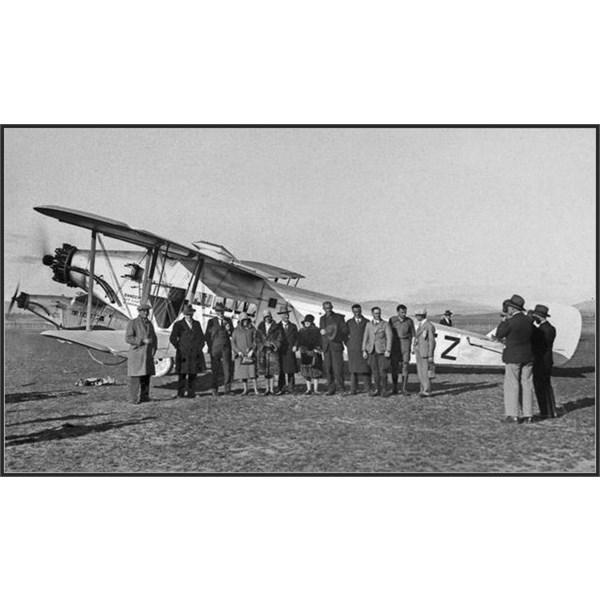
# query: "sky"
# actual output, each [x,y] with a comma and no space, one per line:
[413,215]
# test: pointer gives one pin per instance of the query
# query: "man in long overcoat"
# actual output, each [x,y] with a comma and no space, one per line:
[543,340]
[333,334]
[218,338]
[188,340]
[423,347]
[377,348]
[142,342]
[288,365]
[403,331]
[357,365]
[517,330]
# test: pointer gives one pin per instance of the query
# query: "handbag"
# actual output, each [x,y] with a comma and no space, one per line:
[247,360]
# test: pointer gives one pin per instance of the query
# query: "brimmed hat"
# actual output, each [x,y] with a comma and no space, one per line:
[267,313]
[541,311]
[448,313]
[309,319]
[244,317]
[219,306]
[285,309]
[188,310]
[516,302]
[421,312]
[144,307]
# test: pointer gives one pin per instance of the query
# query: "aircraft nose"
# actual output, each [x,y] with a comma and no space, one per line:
[48,260]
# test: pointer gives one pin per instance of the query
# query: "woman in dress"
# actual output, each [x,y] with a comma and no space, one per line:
[244,344]
[311,358]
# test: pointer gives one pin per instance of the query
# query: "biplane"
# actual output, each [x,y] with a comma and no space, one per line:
[168,275]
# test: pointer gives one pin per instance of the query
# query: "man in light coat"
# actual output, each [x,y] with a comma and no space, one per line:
[377,348]
[142,342]
[423,348]
[357,364]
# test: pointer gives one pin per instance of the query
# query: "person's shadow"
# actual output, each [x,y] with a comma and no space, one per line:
[443,388]
[572,405]
[29,396]
[68,430]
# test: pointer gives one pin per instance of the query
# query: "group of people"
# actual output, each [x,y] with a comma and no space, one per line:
[280,350]
[528,340]
[375,348]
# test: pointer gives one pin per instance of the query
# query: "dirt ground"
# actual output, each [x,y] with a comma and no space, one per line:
[52,426]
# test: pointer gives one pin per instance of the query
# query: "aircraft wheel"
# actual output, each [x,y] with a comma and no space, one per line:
[163,366]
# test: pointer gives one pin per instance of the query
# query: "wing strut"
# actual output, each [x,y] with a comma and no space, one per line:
[88,323]
[149,273]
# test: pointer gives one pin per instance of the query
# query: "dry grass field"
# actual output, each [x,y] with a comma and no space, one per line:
[51,426]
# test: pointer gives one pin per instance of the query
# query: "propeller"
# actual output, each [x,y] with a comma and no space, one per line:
[13,299]
[41,246]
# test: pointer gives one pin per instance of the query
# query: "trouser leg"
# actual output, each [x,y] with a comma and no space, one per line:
[215,366]
[511,389]
[551,398]
[354,382]
[192,384]
[338,368]
[527,389]
[145,388]
[181,384]
[134,389]
[227,370]
[404,377]
[328,368]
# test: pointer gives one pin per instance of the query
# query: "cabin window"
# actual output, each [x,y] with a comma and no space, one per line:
[272,302]
[250,308]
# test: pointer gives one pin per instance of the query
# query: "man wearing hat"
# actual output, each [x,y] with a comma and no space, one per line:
[517,330]
[288,365]
[447,319]
[333,334]
[218,338]
[543,340]
[423,348]
[188,340]
[142,342]
[357,364]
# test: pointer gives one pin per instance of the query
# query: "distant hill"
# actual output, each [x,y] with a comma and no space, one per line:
[434,309]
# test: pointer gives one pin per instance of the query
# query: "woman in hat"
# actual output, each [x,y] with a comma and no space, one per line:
[188,340]
[243,343]
[269,338]
[311,360]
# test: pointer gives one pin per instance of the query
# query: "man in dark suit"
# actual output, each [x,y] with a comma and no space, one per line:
[446,319]
[357,365]
[403,332]
[516,330]
[543,341]
[333,334]
[288,365]
[218,334]
[188,340]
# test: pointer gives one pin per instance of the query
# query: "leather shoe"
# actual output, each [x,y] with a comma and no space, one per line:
[527,421]
[509,420]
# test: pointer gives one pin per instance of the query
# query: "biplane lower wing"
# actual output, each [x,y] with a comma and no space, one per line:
[110,341]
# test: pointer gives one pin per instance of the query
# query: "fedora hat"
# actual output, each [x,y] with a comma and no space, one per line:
[541,311]
[144,307]
[516,301]
[188,310]
[285,309]
[448,313]
[219,306]
[421,312]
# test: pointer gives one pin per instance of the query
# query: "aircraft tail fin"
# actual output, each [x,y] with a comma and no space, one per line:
[568,321]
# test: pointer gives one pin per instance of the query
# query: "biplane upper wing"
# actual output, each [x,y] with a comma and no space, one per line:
[111,341]
[117,230]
